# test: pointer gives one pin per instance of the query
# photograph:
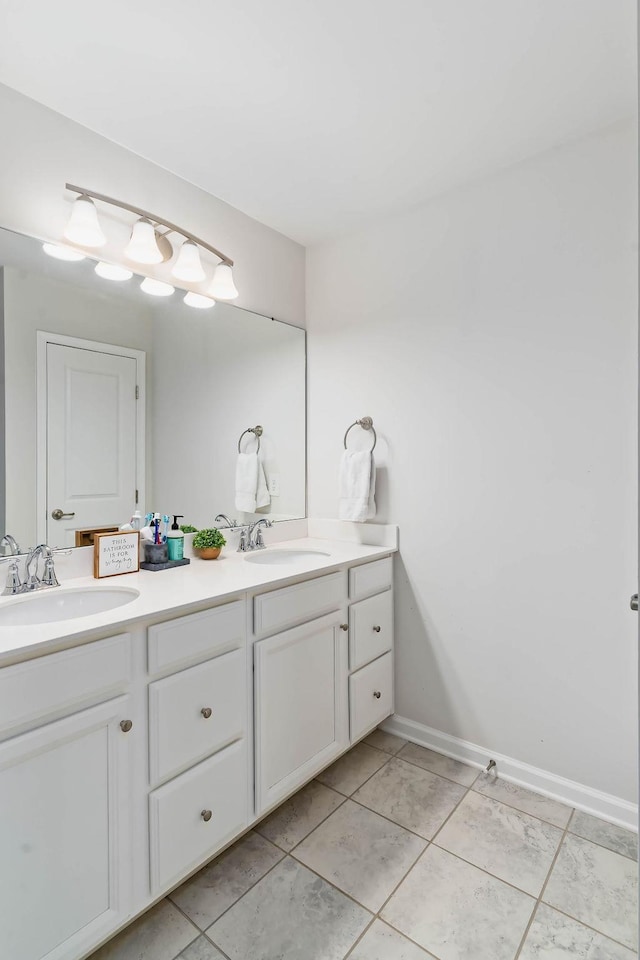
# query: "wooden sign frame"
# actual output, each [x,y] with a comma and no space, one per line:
[116,553]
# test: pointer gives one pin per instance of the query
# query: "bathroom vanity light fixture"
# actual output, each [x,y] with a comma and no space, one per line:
[149,243]
[63,253]
[198,301]
[157,288]
[111,271]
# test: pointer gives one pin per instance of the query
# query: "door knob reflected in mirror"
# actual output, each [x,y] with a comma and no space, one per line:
[633,603]
[58,514]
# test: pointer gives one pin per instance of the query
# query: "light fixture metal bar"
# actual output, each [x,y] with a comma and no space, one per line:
[173,228]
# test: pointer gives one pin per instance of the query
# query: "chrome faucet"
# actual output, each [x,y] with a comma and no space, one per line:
[12,543]
[257,543]
[31,580]
[230,523]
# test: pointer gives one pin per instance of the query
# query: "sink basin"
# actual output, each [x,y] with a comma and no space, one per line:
[284,556]
[51,605]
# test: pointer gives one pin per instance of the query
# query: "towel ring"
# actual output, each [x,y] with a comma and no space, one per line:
[367,424]
[257,431]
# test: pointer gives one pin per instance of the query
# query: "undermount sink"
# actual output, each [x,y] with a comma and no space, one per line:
[53,604]
[284,556]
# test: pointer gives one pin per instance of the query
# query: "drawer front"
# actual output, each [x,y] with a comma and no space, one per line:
[195,712]
[370,629]
[366,708]
[292,605]
[197,636]
[370,578]
[60,682]
[181,837]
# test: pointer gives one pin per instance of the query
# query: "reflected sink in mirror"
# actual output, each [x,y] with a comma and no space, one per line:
[284,556]
[48,607]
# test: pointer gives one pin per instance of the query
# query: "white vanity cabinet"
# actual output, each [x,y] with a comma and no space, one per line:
[198,738]
[65,796]
[370,646]
[324,683]
[300,686]
[129,761]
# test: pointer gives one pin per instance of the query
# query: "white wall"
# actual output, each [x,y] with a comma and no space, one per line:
[42,150]
[491,335]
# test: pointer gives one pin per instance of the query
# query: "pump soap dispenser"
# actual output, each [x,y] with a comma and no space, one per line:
[175,539]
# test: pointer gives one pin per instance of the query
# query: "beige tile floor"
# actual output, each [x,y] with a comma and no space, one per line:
[398,853]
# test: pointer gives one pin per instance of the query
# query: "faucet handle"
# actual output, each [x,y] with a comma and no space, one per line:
[242,544]
[14,584]
[49,578]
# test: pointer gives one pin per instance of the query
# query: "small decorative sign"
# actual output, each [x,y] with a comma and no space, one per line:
[115,553]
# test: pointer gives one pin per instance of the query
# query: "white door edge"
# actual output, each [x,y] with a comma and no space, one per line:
[42,339]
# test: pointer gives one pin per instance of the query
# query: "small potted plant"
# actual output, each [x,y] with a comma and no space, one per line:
[208,543]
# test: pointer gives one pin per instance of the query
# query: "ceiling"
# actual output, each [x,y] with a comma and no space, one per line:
[317,117]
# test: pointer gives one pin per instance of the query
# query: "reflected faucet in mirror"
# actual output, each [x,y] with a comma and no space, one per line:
[230,524]
[11,542]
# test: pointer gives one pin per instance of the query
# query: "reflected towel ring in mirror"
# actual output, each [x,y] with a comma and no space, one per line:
[255,430]
[367,424]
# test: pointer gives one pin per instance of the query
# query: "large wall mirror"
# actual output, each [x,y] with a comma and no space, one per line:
[115,400]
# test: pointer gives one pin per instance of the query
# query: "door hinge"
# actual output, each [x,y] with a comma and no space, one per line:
[137,392]
[136,497]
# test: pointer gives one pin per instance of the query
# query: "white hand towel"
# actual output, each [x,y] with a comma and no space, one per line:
[246,482]
[262,495]
[357,486]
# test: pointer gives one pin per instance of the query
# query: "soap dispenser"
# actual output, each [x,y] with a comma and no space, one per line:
[175,539]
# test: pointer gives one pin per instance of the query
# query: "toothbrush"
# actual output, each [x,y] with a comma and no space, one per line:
[165,520]
[156,523]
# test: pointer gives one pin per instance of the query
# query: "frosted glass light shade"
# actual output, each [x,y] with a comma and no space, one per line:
[198,301]
[156,287]
[143,246]
[222,286]
[83,226]
[187,266]
[62,253]
[110,271]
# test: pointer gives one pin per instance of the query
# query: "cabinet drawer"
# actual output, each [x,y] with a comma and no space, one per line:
[370,578]
[180,836]
[195,712]
[291,605]
[197,636]
[60,682]
[370,628]
[366,708]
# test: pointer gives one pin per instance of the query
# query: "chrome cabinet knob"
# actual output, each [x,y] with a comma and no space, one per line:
[377,694]
[206,712]
[344,626]
[125,725]
[633,603]
[377,629]
[206,815]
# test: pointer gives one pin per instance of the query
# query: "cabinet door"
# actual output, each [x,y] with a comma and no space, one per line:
[64,834]
[301,706]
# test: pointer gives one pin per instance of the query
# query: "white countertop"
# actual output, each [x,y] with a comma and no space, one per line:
[171,591]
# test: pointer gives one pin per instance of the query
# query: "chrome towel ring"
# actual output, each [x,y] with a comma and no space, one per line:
[257,431]
[367,424]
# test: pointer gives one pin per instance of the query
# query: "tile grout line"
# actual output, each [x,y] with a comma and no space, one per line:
[542,889]
[343,800]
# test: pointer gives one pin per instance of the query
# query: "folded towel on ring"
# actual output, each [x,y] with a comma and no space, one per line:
[357,486]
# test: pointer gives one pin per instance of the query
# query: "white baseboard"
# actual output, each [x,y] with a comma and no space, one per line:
[603,805]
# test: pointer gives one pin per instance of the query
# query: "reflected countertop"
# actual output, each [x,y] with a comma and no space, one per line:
[173,592]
